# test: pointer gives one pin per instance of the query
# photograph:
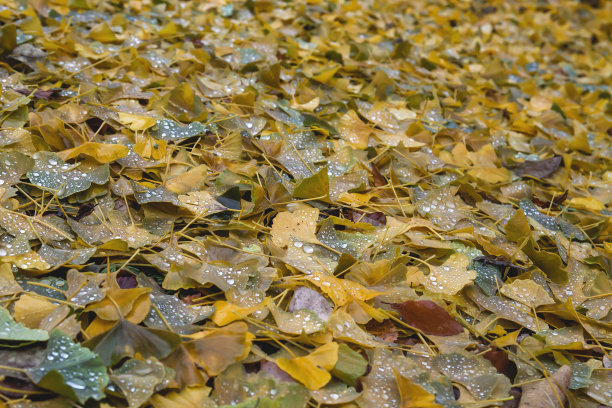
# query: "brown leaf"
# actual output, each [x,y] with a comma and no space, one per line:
[540,394]
[556,201]
[499,359]
[385,330]
[38,94]
[428,317]
[379,179]
[376,219]
[539,168]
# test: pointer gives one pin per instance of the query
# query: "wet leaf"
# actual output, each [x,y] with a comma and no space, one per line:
[315,186]
[103,153]
[224,184]
[173,311]
[139,379]
[413,395]
[305,298]
[527,292]
[303,320]
[548,392]
[350,365]
[428,317]
[221,347]
[11,331]
[54,174]
[451,276]
[125,339]
[476,373]
[336,393]
[300,224]
[71,370]
[169,130]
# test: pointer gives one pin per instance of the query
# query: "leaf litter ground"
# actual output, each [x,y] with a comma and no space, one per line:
[305,203]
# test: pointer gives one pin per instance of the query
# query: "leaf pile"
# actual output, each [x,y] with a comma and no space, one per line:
[270,203]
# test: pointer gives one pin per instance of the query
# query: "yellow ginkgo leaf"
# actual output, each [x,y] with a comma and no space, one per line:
[218,348]
[354,131]
[102,152]
[527,292]
[491,175]
[28,260]
[188,397]
[191,180]
[413,395]
[148,147]
[169,30]
[300,224]
[507,339]
[136,122]
[103,33]
[30,310]
[587,203]
[226,312]
[312,370]
[450,277]
[539,103]
[326,74]
[340,291]
[132,304]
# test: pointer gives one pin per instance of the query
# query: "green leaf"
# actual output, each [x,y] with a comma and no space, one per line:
[8,37]
[236,388]
[517,228]
[428,65]
[13,165]
[314,121]
[12,331]
[476,373]
[71,370]
[180,316]
[581,373]
[551,264]
[350,366]
[51,172]
[315,186]
[157,195]
[78,4]
[138,379]
[56,256]
[170,130]
[551,223]
[488,277]
[352,243]
[126,339]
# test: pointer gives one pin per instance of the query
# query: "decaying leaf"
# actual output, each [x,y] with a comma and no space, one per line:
[539,168]
[300,225]
[548,392]
[428,317]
